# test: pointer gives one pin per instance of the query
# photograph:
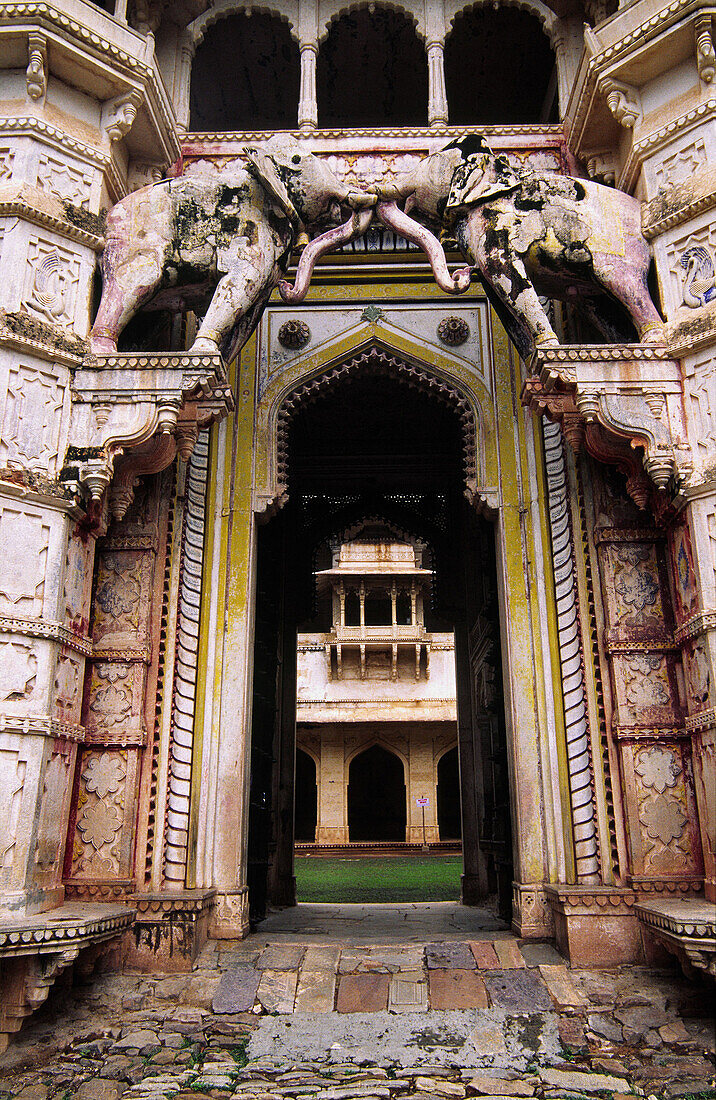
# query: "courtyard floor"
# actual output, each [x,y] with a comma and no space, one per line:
[436,1002]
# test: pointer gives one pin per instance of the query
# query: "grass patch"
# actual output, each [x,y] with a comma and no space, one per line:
[375,879]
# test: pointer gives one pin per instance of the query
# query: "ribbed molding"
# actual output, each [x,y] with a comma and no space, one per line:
[185,669]
[584,825]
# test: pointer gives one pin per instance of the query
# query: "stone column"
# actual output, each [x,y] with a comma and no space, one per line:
[332,810]
[567,42]
[182,81]
[307,103]
[437,94]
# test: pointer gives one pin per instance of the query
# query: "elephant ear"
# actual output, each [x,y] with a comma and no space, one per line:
[479,179]
[263,167]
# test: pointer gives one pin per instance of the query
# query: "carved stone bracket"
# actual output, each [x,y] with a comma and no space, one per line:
[621,400]
[686,928]
[622,101]
[36,72]
[124,400]
[35,950]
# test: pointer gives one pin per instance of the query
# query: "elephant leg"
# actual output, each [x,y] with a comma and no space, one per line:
[235,295]
[628,285]
[507,275]
[129,280]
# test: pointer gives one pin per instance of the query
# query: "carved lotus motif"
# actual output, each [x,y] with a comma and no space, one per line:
[664,819]
[638,588]
[103,774]
[658,768]
[99,824]
[453,331]
[294,334]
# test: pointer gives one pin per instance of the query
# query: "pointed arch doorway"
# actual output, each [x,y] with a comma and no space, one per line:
[383,438]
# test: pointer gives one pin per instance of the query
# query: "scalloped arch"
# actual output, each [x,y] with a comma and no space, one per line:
[546,16]
[340,9]
[382,744]
[223,9]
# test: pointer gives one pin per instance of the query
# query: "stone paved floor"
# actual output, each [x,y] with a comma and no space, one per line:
[274,1019]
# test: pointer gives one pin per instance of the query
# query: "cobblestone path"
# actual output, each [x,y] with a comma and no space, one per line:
[287,1021]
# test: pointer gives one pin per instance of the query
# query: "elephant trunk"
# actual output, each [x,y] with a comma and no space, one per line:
[391,215]
[333,238]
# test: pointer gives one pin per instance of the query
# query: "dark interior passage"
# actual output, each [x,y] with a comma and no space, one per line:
[245,75]
[448,796]
[377,451]
[376,796]
[372,71]
[499,68]
[306,797]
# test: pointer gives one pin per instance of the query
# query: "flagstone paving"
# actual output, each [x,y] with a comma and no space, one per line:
[275,1020]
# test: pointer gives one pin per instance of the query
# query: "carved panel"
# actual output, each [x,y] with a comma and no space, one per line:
[66,182]
[680,166]
[667,844]
[691,263]
[18,672]
[67,687]
[12,780]
[32,419]
[7,160]
[644,691]
[682,571]
[100,813]
[634,595]
[122,599]
[55,795]
[698,676]
[78,582]
[116,697]
[24,540]
[700,387]
[51,282]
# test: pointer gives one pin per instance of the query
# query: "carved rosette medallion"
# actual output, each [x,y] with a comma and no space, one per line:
[294,334]
[453,331]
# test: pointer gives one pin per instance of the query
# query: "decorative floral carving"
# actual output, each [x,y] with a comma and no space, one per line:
[700,279]
[646,681]
[99,824]
[699,675]
[119,590]
[453,331]
[637,586]
[658,768]
[103,774]
[18,670]
[664,819]
[294,334]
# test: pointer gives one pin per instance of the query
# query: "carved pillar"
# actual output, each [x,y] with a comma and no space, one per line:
[647,720]
[576,717]
[182,81]
[567,42]
[437,94]
[308,103]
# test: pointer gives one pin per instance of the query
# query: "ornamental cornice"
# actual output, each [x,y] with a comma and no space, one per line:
[51,353]
[371,702]
[58,930]
[684,213]
[45,628]
[119,738]
[41,725]
[141,655]
[30,126]
[184,902]
[626,534]
[129,62]
[57,497]
[699,623]
[695,927]
[599,898]
[649,733]
[702,720]
[660,137]
[19,208]
[553,134]
[661,644]
[607,57]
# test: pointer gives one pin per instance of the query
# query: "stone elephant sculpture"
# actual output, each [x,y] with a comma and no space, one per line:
[528,234]
[221,245]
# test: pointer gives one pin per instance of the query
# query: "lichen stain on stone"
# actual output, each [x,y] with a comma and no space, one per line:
[83,219]
[21,324]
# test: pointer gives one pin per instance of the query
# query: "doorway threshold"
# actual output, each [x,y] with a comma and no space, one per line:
[383,922]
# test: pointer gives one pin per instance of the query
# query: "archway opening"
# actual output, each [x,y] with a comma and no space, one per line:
[375,454]
[499,68]
[376,779]
[448,796]
[306,797]
[372,71]
[245,75]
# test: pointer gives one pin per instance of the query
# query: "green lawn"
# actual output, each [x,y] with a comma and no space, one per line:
[416,878]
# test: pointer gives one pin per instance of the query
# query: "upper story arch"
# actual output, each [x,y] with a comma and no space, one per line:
[246,70]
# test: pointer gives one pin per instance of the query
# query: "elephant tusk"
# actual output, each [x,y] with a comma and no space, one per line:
[333,238]
[391,215]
